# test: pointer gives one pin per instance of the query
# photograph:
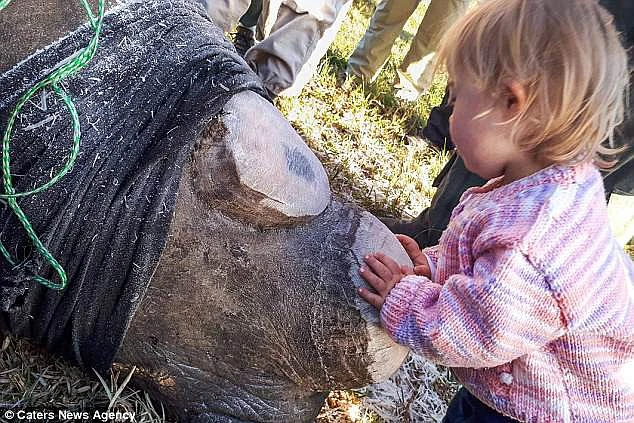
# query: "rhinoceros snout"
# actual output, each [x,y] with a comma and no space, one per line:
[255,298]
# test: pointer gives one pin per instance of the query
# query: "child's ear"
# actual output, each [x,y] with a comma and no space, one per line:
[514,96]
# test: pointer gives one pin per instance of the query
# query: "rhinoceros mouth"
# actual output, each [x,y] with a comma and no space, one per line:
[256,324]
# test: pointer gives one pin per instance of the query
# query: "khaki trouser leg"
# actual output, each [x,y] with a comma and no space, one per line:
[374,48]
[309,68]
[226,13]
[270,10]
[300,36]
[417,69]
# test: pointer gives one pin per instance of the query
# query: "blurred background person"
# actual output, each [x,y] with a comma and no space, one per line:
[294,35]
[416,72]
[244,35]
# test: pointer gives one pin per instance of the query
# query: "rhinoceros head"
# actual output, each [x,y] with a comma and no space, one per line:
[253,310]
[197,228]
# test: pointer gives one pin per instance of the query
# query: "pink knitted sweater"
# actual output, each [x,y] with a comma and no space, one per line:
[531,302]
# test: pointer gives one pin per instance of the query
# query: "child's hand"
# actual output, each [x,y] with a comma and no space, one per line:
[421,266]
[381,273]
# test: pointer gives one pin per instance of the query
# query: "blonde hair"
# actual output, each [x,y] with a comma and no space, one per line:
[567,56]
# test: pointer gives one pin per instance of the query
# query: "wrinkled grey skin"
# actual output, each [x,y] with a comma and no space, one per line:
[250,304]
[252,313]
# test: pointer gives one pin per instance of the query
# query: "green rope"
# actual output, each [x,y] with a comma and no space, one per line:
[67,68]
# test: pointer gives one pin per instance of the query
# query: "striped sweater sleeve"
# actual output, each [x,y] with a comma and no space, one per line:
[431,253]
[503,311]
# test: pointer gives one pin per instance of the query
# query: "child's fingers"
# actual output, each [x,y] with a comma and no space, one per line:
[372,298]
[389,263]
[422,270]
[378,267]
[409,244]
[372,279]
[407,270]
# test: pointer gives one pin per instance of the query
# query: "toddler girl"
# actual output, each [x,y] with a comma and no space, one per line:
[527,296]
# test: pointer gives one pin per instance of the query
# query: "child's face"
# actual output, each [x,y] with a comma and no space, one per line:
[478,130]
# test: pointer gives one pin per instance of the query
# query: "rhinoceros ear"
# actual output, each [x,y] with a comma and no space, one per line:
[251,165]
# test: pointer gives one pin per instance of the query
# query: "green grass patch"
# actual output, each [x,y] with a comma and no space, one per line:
[369,141]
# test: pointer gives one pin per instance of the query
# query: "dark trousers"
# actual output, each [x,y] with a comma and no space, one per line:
[466,408]
[252,15]
[452,182]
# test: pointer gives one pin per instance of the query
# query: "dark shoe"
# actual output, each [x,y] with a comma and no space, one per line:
[243,40]
[437,128]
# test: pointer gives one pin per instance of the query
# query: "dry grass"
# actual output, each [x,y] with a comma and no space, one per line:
[346,407]
[30,378]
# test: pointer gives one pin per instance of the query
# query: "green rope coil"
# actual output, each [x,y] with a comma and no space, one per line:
[67,68]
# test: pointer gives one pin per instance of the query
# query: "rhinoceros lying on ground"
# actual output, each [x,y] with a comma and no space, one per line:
[196,227]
